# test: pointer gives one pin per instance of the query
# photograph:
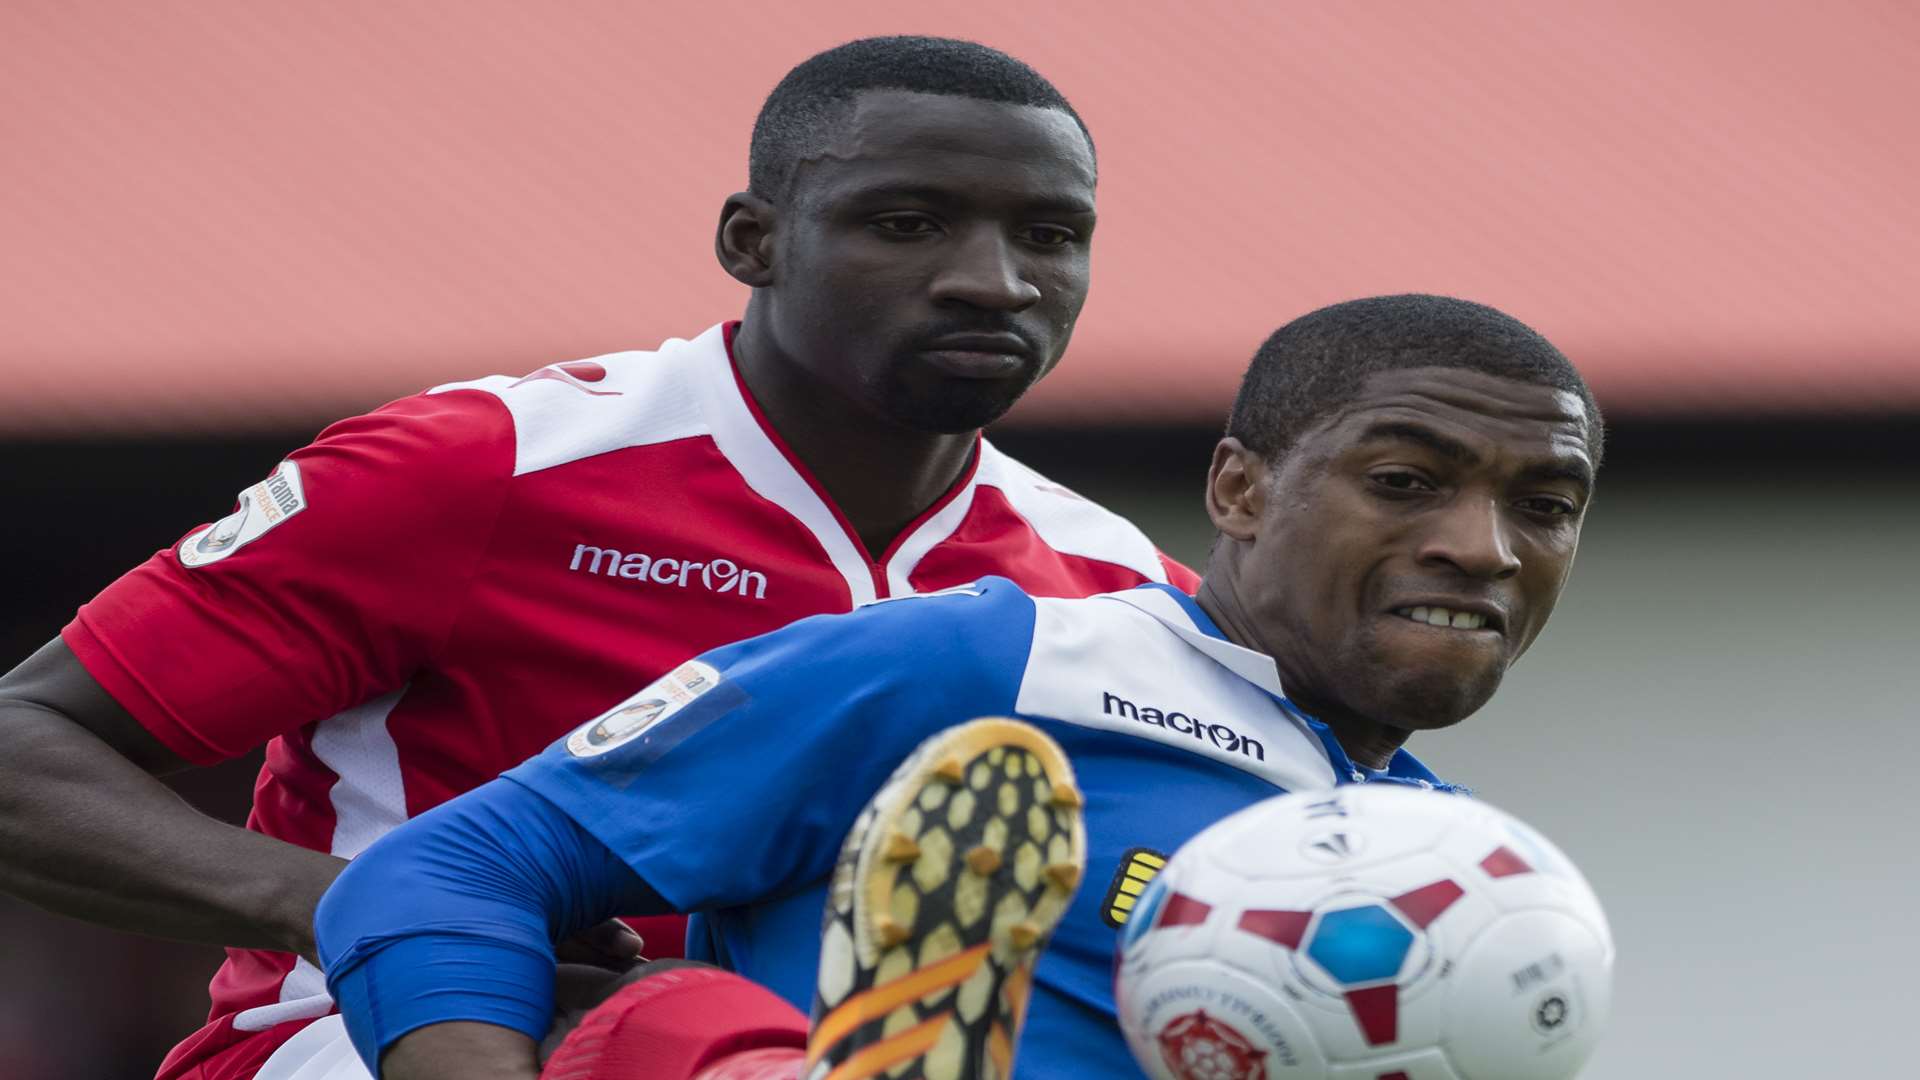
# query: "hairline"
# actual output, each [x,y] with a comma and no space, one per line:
[1384,429]
[843,109]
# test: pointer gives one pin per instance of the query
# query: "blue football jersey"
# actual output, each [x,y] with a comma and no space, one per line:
[729,784]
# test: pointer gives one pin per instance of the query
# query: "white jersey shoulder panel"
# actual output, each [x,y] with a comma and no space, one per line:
[1065,521]
[568,411]
[1107,664]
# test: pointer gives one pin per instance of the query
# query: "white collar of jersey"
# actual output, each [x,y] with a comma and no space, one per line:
[1170,608]
[750,449]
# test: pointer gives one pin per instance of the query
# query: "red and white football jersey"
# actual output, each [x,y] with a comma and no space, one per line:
[432,592]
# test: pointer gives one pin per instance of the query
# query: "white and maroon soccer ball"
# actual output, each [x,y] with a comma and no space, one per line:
[1376,932]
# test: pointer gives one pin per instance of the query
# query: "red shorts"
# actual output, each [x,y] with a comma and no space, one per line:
[689,1023]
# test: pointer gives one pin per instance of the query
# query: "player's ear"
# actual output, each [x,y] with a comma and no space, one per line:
[744,240]
[1236,489]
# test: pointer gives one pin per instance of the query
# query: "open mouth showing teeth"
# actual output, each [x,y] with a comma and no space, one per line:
[1439,616]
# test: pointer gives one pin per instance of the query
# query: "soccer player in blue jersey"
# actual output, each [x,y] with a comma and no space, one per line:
[1398,499]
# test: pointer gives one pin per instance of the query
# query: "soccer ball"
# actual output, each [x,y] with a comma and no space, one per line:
[1375,932]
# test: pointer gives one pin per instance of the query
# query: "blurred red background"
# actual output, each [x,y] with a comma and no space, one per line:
[224,216]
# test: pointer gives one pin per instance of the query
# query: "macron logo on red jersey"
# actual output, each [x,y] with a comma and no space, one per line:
[718,575]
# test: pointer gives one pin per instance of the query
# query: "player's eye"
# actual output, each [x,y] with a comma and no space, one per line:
[1048,235]
[905,225]
[1400,481]
[1549,506]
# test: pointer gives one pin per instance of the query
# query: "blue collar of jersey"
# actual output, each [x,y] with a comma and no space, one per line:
[1258,668]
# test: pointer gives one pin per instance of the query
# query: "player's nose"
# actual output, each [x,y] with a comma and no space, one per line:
[984,271]
[1473,536]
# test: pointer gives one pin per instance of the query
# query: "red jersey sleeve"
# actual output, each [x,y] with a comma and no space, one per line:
[332,582]
[1179,576]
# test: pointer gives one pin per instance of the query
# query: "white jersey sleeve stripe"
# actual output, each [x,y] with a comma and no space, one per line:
[369,800]
[566,412]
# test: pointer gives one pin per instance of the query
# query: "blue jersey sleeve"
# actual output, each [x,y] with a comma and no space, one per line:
[736,776]
[453,916]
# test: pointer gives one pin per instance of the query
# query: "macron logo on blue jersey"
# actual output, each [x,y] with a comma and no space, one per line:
[1220,735]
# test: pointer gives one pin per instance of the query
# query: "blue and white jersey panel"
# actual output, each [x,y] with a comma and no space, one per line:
[731,798]
[1137,663]
[1170,728]
[735,777]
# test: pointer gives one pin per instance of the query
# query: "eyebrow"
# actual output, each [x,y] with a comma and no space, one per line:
[1572,470]
[1401,431]
[1056,204]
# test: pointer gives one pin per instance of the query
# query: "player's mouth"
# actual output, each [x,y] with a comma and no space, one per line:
[1462,618]
[979,356]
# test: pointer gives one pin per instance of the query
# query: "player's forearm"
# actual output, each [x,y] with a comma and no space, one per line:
[446,925]
[449,921]
[84,832]
[461,1051]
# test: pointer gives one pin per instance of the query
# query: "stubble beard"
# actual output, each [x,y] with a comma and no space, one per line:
[1422,699]
[951,406]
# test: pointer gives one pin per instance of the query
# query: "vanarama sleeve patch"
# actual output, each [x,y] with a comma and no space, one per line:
[633,717]
[262,506]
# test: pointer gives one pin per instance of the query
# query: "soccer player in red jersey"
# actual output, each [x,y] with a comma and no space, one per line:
[432,592]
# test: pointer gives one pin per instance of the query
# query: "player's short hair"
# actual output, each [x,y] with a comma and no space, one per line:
[1319,361]
[804,108]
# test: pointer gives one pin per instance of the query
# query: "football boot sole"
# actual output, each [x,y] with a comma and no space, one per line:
[945,893]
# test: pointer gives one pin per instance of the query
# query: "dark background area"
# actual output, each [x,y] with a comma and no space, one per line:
[78,513]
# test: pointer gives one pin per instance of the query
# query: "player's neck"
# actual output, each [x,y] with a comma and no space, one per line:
[1367,742]
[881,476]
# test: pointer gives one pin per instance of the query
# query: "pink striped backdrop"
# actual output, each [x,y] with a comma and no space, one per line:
[224,215]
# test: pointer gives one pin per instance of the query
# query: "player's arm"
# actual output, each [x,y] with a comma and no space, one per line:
[295,607]
[86,830]
[438,940]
